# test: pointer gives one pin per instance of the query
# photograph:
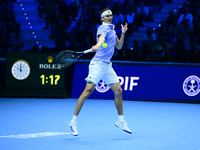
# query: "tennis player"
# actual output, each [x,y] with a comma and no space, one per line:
[101,68]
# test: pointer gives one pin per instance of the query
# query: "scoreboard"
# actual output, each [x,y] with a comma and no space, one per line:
[34,75]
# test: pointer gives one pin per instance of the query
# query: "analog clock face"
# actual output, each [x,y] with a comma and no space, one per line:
[20,69]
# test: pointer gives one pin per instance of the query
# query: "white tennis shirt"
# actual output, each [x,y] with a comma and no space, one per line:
[105,54]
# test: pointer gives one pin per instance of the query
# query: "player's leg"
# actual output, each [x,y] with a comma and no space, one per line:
[96,72]
[112,80]
[118,97]
[121,123]
[89,88]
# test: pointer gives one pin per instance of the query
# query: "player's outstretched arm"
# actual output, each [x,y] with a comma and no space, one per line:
[120,42]
[100,41]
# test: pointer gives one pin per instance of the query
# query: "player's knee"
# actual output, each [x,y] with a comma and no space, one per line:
[88,92]
[119,91]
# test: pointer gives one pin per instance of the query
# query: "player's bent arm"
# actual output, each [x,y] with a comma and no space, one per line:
[100,41]
[120,42]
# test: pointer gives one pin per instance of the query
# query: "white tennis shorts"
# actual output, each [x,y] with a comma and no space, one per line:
[101,70]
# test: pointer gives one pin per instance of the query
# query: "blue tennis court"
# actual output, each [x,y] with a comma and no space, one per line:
[41,124]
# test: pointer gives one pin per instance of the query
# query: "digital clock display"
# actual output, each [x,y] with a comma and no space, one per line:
[51,80]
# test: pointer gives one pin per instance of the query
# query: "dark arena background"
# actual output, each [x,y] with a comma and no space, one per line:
[158,68]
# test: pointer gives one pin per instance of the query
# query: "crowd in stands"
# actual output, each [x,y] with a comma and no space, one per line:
[177,39]
[60,15]
[10,29]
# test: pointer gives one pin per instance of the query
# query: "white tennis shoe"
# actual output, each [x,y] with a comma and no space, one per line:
[123,125]
[73,128]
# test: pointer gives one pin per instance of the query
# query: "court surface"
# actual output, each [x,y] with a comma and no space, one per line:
[41,124]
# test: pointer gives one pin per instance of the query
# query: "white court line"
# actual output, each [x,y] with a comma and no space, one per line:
[34,135]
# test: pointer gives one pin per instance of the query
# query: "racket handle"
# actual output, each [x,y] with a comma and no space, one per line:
[87,51]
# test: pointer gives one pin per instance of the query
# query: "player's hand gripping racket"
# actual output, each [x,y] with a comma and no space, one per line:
[67,57]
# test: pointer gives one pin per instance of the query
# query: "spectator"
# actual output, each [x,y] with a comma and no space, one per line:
[8,11]
[35,49]
[129,5]
[177,26]
[92,35]
[163,24]
[2,27]
[184,16]
[167,57]
[49,10]
[40,9]
[94,4]
[44,49]
[162,46]
[55,19]
[180,42]
[130,20]
[164,32]
[81,35]
[5,44]
[195,56]
[64,11]
[194,5]
[187,27]
[187,42]
[194,46]
[118,29]
[59,46]
[74,45]
[95,21]
[171,17]
[149,39]
[197,28]
[196,18]
[122,54]
[7,6]
[173,36]
[132,53]
[142,13]
[118,17]
[107,4]
[59,31]
[86,17]
[139,55]
[130,13]
[117,6]
[182,9]
[197,32]
[197,6]
[14,28]
[153,56]
[74,8]
[181,54]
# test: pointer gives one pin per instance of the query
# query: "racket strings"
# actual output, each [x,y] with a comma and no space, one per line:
[65,58]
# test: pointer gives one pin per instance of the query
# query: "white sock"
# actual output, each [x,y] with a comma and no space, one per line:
[74,118]
[121,117]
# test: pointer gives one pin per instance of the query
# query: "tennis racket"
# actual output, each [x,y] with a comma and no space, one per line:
[67,57]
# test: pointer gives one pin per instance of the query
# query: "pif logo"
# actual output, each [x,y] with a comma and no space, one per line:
[191,85]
